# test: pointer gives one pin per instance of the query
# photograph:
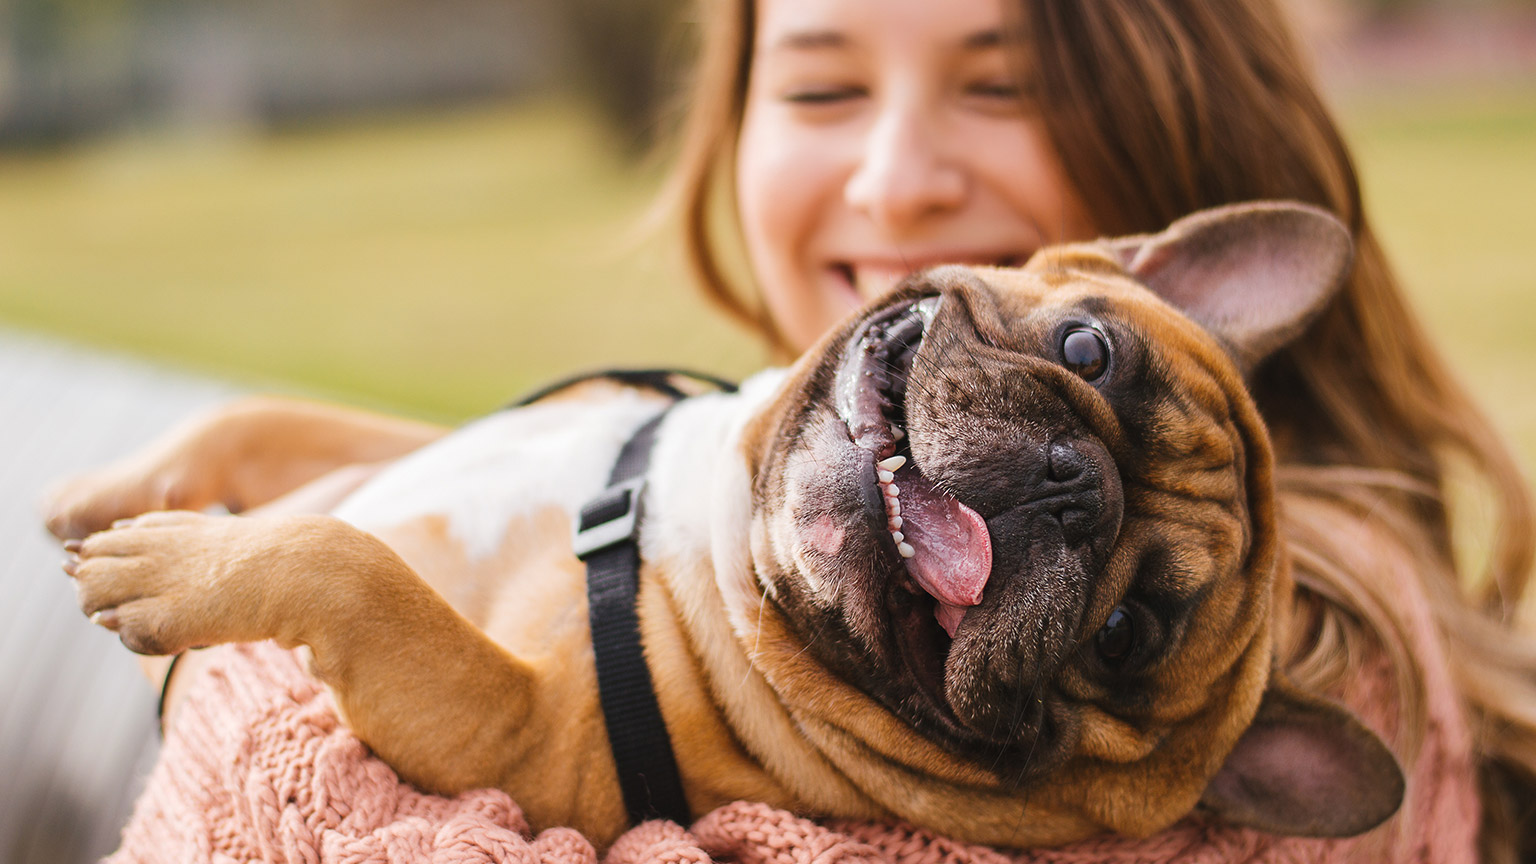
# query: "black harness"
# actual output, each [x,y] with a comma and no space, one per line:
[607,540]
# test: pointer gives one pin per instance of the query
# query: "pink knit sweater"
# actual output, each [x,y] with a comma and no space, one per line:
[257,767]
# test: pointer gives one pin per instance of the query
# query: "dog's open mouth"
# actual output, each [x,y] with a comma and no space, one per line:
[943,552]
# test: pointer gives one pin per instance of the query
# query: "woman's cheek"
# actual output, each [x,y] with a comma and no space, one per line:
[779,180]
[786,179]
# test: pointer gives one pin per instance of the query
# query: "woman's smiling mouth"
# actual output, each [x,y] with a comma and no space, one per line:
[871,278]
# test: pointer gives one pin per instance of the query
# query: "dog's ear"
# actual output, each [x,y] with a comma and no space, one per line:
[1306,767]
[1253,274]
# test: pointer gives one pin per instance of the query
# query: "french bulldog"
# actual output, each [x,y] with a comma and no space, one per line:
[998,557]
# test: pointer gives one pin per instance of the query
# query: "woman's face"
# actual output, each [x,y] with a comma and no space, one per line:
[881,137]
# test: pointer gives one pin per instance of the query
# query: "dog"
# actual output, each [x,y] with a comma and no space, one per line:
[998,557]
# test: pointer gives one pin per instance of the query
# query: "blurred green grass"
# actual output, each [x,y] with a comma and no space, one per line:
[435,265]
[439,265]
[1450,181]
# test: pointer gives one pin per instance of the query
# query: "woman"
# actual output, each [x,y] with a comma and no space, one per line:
[868,137]
[860,139]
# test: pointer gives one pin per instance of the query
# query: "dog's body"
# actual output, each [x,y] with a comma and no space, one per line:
[1068,633]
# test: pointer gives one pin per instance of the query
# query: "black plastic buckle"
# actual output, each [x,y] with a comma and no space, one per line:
[610,518]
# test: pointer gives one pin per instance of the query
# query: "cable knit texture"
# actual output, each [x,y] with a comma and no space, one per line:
[257,767]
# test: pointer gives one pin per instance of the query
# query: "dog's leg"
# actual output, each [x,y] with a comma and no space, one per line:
[240,455]
[427,690]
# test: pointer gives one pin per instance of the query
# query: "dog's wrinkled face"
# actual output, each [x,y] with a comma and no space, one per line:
[1002,502]
[1030,514]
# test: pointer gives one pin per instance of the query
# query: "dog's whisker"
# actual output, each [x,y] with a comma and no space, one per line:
[1034,740]
[757,638]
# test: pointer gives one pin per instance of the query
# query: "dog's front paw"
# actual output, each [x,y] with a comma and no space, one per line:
[169,581]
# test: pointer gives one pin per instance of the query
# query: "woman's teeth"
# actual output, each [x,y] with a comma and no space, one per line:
[872,280]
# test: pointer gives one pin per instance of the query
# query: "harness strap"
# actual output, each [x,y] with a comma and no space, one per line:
[608,541]
[660,380]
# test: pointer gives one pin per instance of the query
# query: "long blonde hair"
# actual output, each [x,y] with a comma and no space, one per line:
[1159,108]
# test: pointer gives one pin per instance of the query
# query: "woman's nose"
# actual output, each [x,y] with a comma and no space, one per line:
[901,178]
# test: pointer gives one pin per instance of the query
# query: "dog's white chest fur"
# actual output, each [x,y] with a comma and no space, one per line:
[489,473]
[560,453]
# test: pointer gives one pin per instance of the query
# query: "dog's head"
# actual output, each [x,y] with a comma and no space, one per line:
[1030,514]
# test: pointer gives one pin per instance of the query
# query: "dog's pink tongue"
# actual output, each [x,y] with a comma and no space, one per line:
[951,550]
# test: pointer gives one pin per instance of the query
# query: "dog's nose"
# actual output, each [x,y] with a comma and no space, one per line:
[1074,491]
[1065,463]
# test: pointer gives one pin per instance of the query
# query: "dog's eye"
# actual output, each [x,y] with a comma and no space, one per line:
[1085,353]
[1116,640]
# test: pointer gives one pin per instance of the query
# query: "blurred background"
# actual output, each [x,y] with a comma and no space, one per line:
[430,207]
[420,206]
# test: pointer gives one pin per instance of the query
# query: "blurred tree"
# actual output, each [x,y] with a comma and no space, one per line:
[75,67]
[622,55]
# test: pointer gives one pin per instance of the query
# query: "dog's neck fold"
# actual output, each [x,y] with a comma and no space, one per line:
[698,548]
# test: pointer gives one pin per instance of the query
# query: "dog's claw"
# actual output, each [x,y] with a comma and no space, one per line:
[73,544]
[105,618]
[71,565]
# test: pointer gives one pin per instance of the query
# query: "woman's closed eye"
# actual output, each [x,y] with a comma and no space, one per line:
[824,95]
[1006,89]
[1003,96]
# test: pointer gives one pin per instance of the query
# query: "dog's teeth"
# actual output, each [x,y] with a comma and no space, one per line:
[885,476]
[897,434]
[893,507]
[894,523]
[898,536]
[892,490]
[905,549]
[893,463]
